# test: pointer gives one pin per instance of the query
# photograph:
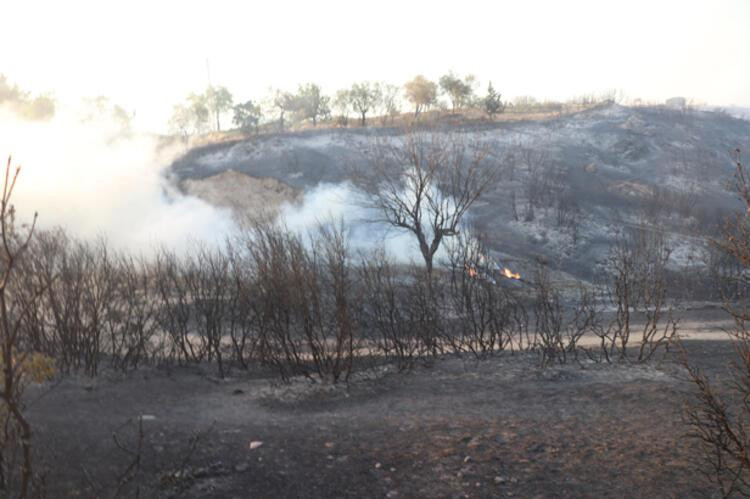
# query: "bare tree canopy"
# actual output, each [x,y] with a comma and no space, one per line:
[192,116]
[247,116]
[220,100]
[425,184]
[311,103]
[460,91]
[283,102]
[421,92]
[492,102]
[341,105]
[363,97]
[389,101]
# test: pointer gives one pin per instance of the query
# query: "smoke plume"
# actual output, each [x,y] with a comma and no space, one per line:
[88,177]
[331,203]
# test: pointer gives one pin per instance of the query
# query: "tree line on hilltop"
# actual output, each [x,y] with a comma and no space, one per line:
[310,106]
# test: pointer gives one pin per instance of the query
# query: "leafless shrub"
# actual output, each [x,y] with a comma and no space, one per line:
[722,429]
[207,278]
[132,321]
[484,314]
[426,309]
[137,476]
[241,325]
[384,317]
[637,288]
[536,182]
[718,419]
[303,307]
[559,332]
[176,313]
[566,210]
[661,201]
[275,256]
[18,364]
[80,282]
[336,339]
[724,274]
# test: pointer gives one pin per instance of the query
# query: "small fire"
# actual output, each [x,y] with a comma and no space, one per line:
[473,273]
[509,274]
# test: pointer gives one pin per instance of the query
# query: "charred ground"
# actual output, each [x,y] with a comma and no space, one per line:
[569,182]
[500,427]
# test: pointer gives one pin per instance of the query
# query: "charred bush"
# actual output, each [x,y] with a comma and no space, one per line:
[240,324]
[718,416]
[486,318]
[176,314]
[132,322]
[558,331]
[636,287]
[18,362]
[207,279]
[384,317]
[79,282]
[303,307]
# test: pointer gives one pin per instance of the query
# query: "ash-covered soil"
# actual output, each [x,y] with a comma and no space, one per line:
[499,427]
[617,163]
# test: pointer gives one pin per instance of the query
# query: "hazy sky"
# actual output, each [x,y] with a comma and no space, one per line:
[147,55]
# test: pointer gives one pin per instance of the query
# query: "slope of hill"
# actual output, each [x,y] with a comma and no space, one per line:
[570,183]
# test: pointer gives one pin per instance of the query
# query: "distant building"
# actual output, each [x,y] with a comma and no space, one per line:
[678,103]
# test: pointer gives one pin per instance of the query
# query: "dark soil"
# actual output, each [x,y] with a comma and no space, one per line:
[459,428]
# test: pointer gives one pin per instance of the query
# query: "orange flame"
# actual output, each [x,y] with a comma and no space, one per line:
[510,275]
[471,271]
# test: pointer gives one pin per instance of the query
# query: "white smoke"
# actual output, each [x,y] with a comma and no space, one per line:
[90,179]
[331,203]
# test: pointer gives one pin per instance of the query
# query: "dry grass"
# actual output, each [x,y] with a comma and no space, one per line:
[467,117]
